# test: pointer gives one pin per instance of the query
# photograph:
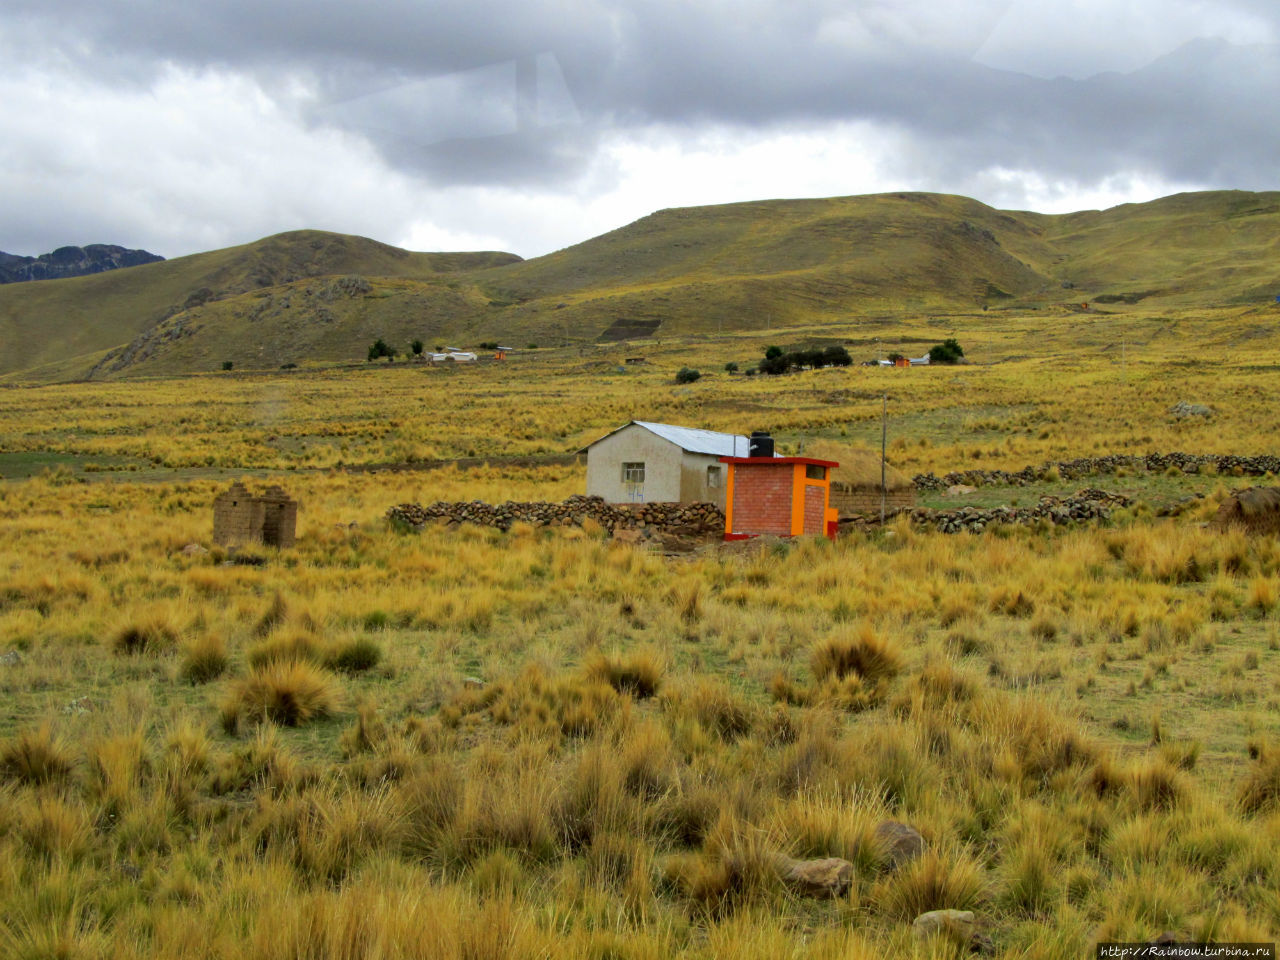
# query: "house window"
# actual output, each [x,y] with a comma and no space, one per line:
[633,472]
[713,478]
[815,472]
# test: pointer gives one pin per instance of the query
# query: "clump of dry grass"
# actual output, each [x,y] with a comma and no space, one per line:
[1260,792]
[639,674]
[287,692]
[936,880]
[866,654]
[151,636]
[35,756]
[204,659]
[285,647]
[353,654]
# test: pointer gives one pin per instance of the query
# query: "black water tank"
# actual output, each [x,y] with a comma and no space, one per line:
[760,444]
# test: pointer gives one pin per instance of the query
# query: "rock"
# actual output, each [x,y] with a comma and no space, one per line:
[79,707]
[956,925]
[1183,409]
[1165,938]
[129,870]
[10,659]
[829,877]
[960,490]
[626,535]
[194,550]
[898,843]
[71,262]
[473,683]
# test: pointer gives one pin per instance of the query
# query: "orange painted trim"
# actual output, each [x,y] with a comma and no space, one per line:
[728,502]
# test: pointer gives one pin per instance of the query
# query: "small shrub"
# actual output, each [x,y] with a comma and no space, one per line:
[730,367]
[227,364]
[289,693]
[205,659]
[687,375]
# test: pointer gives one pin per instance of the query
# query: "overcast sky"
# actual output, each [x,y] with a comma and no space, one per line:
[529,125]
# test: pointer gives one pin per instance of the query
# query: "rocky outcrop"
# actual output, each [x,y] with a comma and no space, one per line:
[692,518]
[71,262]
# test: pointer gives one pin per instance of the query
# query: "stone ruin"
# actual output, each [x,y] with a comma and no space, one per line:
[239,517]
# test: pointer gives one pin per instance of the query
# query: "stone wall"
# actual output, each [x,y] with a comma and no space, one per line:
[848,499]
[1086,505]
[1246,466]
[691,518]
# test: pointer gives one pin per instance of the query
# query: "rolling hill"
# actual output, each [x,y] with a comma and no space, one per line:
[733,266]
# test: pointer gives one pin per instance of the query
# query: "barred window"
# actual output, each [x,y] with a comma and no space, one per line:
[633,472]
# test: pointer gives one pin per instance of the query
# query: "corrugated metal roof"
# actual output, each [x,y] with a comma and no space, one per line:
[699,441]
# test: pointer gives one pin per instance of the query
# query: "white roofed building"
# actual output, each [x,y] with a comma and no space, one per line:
[645,462]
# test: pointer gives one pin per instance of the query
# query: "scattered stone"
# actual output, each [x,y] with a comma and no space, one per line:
[960,490]
[194,550]
[898,842]
[955,925]
[829,877]
[473,683]
[1183,409]
[10,659]
[79,707]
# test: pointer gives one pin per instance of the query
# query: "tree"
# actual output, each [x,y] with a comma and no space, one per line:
[227,364]
[777,364]
[730,367]
[949,351]
[416,347]
[837,356]
[687,375]
[379,348]
[773,353]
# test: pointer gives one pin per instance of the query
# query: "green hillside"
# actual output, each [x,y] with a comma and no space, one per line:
[741,266]
[53,322]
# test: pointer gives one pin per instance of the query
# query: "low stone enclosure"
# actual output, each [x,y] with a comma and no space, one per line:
[1087,505]
[239,517]
[1089,466]
[690,518]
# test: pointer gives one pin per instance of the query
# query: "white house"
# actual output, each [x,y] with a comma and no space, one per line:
[659,463]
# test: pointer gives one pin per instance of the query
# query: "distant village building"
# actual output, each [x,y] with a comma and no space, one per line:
[645,462]
[239,517]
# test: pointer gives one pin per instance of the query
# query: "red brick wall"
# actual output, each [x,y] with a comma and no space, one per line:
[814,522]
[762,498]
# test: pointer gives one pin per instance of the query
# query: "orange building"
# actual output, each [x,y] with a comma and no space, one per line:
[783,496]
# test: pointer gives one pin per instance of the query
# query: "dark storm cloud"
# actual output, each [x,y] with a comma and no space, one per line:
[506,92]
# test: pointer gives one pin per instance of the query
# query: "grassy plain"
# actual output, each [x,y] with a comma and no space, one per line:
[202,760]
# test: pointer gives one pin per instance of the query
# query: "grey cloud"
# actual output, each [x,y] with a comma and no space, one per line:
[523,93]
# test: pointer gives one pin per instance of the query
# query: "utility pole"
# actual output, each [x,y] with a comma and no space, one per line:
[884,438]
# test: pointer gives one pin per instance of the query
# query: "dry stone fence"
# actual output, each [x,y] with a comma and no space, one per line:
[691,518]
[1083,506]
[1255,466]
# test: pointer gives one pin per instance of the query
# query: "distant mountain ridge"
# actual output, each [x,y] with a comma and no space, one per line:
[71,262]
[313,296]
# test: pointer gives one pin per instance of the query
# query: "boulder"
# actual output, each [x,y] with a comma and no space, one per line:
[960,490]
[898,843]
[829,877]
[1183,409]
[11,658]
[194,550]
[956,925]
